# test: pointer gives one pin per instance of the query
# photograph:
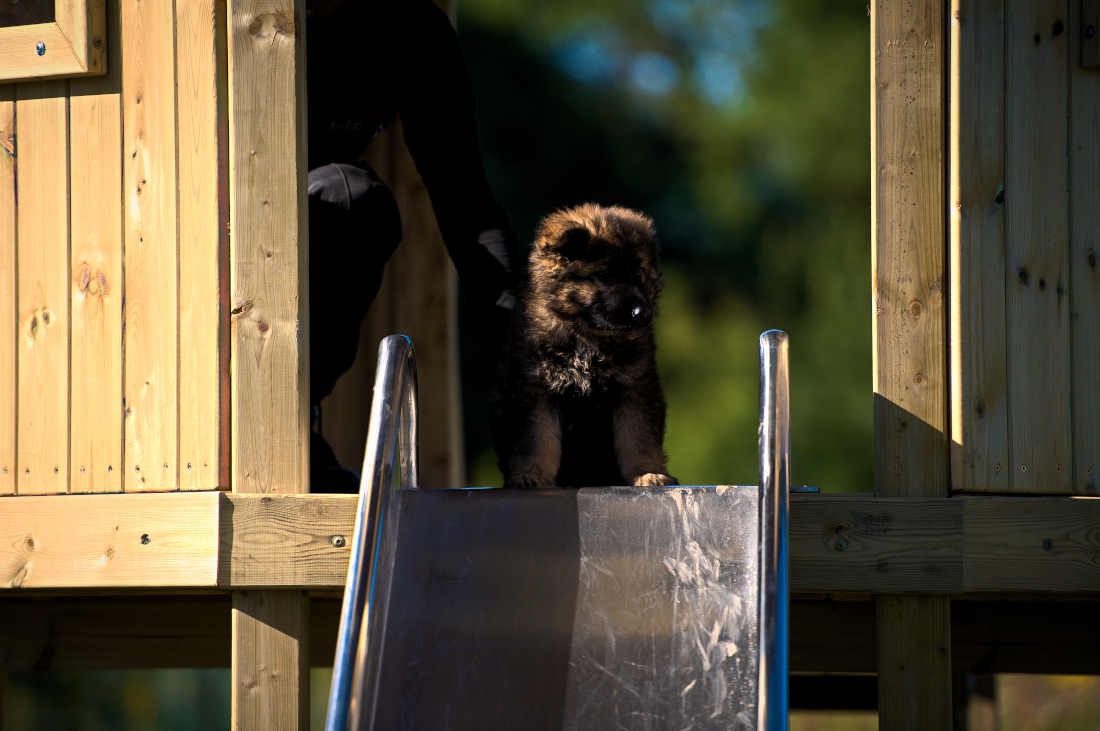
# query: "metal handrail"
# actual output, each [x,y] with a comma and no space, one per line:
[392,432]
[775,485]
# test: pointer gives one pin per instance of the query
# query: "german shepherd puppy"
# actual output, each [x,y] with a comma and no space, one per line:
[582,404]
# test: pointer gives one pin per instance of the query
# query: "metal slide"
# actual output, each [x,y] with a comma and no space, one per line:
[591,609]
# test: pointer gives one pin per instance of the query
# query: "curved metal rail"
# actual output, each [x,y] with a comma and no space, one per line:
[391,435]
[775,485]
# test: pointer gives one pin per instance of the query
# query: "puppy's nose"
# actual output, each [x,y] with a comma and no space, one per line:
[638,311]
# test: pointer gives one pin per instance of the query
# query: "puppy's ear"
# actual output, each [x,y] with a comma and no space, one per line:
[573,244]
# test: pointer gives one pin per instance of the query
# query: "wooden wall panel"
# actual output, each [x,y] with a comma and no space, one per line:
[7,290]
[149,194]
[1037,244]
[95,120]
[979,384]
[1084,248]
[42,180]
[200,73]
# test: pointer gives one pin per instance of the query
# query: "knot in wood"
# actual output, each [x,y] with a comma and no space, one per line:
[270,25]
[916,308]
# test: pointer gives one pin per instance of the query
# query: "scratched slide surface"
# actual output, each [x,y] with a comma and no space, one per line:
[601,608]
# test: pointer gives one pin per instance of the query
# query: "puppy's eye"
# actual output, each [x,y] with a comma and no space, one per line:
[573,244]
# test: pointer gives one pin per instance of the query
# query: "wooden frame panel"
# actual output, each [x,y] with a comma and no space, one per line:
[72,45]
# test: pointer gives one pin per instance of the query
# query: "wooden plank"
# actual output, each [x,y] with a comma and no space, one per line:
[914,662]
[287,541]
[72,45]
[1012,543]
[1037,245]
[126,632]
[269,337]
[114,632]
[8,312]
[1087,33]
[861,545]
[200,67]
[267,205]
[1084,191]
[109,541]
[908,166]
[979,387]
[270,660]
[42,180]
[149,185]
[96,433]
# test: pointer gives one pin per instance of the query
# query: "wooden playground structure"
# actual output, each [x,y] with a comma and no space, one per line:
[153,412]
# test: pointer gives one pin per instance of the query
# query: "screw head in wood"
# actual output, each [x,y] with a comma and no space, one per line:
[338,541]
[40,48]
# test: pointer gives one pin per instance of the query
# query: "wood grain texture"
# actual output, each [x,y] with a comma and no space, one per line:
[883,545]
[42,147]
[908,267]
[8,312]
[1010,542]
[109,541]
[149,195]
[1084,192]
[96,286]
[909,165]
[269,379]
[200,70]
[286,541]
[270,409]
[914,662]
[270,660]
[74,43]
[1037,245]
[979,387]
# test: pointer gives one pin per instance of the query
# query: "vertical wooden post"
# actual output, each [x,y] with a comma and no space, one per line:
[908,172]
[269,374]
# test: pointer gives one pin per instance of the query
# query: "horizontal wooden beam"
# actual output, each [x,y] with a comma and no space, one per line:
[109,541]
[851,544]
[42,631]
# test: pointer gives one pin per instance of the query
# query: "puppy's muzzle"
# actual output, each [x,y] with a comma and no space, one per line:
[624,309]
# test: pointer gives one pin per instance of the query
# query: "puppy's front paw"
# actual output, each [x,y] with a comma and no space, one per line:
[655,479]
[527,481]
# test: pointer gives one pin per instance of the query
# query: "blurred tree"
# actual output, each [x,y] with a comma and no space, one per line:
[742,127]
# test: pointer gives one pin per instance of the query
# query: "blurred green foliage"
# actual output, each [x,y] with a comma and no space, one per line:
[742,128]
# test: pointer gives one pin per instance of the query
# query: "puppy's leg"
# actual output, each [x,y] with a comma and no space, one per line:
[639,428]
[537,455]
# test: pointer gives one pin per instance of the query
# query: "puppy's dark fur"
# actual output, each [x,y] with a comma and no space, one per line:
[582,403]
